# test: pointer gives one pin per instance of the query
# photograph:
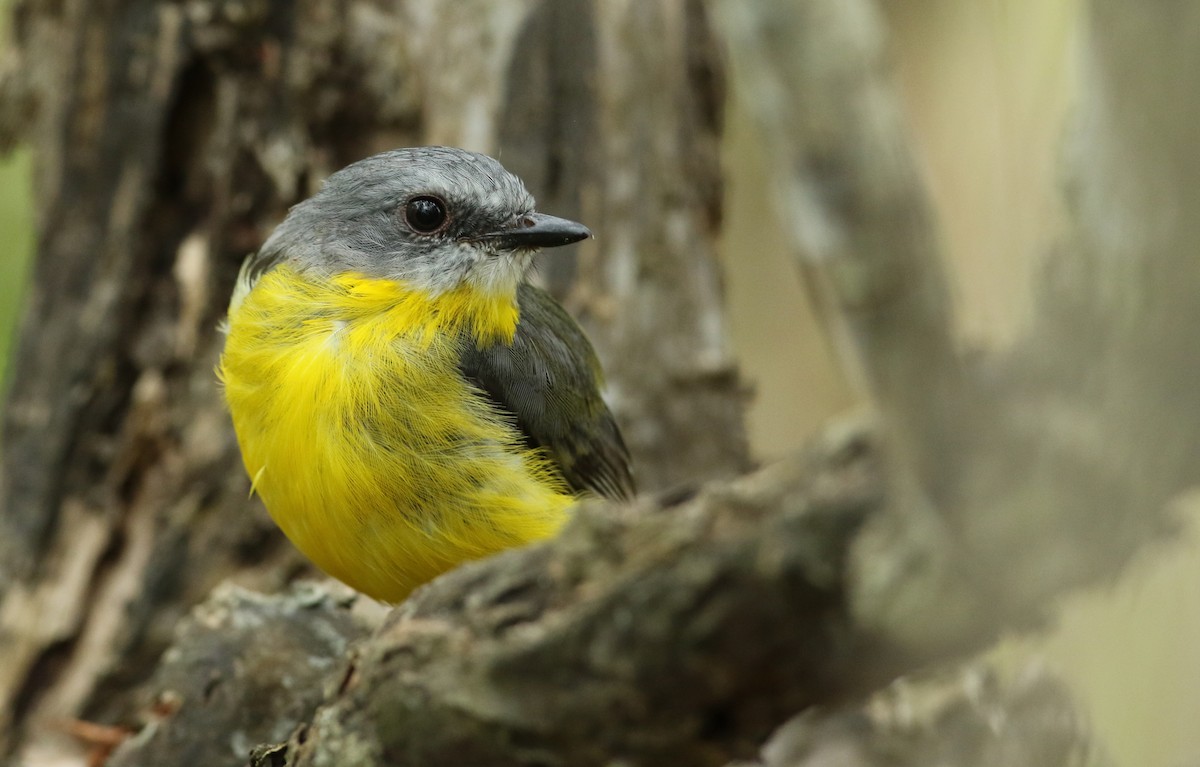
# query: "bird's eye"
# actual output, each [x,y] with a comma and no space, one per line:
[425,214]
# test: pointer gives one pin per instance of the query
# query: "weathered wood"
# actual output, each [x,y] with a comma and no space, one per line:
[244,668]
[679,636]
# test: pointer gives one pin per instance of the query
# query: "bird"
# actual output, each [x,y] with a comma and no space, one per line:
[403,397]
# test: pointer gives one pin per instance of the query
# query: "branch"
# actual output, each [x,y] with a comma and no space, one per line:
[656,635]
[244,668]
[1001,463]
[815,78]
[679,635]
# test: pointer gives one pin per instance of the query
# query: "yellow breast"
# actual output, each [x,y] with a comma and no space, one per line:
[370,451]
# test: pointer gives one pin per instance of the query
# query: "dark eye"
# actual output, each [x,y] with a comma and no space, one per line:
[425,214]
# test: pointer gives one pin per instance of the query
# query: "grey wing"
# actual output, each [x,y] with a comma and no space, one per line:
[548,380]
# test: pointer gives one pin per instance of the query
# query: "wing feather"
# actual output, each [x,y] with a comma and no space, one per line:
[548,381]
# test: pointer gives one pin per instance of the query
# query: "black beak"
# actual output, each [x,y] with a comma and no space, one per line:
[537,230]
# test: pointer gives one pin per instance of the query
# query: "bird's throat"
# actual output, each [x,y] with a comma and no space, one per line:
[489,317]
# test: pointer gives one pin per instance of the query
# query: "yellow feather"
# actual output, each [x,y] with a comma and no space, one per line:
[368,448]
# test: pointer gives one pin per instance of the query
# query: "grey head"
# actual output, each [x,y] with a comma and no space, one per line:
[435,217]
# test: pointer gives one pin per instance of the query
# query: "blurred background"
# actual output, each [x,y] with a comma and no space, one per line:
[988,90]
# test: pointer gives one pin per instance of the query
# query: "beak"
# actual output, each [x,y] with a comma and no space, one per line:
[537,230]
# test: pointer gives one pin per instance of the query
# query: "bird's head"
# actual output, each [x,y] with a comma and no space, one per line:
[432,217]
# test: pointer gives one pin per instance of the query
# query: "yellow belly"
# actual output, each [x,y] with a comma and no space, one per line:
[367,447]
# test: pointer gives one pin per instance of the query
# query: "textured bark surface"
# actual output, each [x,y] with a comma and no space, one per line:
[632,638]
[170,137]
[244,668]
